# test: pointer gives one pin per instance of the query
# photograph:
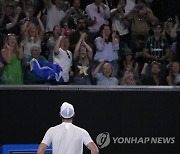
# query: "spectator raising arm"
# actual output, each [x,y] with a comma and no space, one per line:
[82,42]
[57,45]
[14,21]
[98,68]
[42,29]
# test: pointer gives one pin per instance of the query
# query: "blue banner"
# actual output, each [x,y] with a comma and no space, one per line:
[48,71]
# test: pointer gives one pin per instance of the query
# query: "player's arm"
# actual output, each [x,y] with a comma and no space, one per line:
[92,146]
[42,148]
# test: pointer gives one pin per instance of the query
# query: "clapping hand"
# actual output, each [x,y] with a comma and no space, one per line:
[113,35]
[93,21]
[102,61]
[7,45]
[103,5]
[39,15]
[176,19]
[18,10]
[83,36]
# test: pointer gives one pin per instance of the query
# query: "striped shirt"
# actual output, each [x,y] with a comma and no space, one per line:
[157,47]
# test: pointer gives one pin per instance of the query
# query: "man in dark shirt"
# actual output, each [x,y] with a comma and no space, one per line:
[81,28]
[155,78]
[157,48]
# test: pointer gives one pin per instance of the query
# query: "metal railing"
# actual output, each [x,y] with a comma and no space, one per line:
[90,88]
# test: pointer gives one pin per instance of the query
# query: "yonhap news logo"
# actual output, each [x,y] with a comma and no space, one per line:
[104,139]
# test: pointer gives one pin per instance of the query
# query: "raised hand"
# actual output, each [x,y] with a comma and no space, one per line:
[176,19]
[83,36]
[103,5]
[94,21]
[102,61]
[18,10]
[62,32]
[39,15]
[72,9]
[7,45]
[113,35]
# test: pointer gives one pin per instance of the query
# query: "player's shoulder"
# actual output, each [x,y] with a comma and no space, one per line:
[80,129]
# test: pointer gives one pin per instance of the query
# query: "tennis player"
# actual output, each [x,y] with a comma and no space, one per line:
[66,138]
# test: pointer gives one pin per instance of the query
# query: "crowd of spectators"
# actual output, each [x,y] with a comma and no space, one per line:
[95,42]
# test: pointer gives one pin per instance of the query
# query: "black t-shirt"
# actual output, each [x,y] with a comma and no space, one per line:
[80,70]
[3,31]
[148,80]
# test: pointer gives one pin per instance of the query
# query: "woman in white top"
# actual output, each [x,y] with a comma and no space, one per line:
[32,34]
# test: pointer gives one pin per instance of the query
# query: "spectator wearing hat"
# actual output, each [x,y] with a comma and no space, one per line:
[155,78]
[129,69]
[129,61]
[157,48]
[67,137]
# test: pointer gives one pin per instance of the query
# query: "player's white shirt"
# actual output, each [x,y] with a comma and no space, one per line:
[67,138]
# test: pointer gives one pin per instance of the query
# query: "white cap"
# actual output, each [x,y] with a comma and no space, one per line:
[66,110]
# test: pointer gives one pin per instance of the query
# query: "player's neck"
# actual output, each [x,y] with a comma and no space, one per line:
[67,120]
